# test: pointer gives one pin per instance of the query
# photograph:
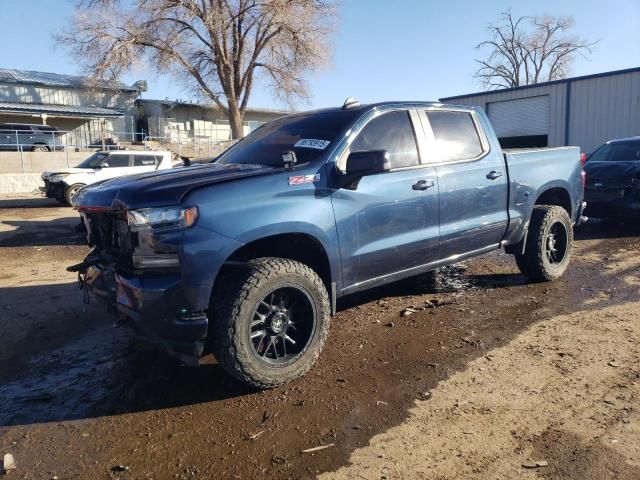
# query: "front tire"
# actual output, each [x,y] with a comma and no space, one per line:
[269,321]
[549,243]
[40,148]
[71,191]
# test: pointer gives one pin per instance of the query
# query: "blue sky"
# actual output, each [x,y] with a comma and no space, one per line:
[384,49]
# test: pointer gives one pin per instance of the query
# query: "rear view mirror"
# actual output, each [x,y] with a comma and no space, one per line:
[368,162]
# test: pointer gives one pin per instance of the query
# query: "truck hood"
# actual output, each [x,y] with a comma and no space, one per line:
[161,187]
[612,174]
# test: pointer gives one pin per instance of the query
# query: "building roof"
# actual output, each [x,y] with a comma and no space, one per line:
[554,82]
[60,110]
[30,77]
[176,103]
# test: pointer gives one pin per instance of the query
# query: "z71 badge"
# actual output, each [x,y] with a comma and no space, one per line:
[300,179]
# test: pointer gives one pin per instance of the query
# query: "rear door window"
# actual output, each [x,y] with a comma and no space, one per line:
[455,134]
[392,132]
[617,152]
[116,160]
[625,152]
[145,160]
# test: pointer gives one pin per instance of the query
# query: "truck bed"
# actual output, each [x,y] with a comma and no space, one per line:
[533,170]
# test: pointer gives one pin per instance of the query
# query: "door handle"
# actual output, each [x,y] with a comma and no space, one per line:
[493,175]
[423,184]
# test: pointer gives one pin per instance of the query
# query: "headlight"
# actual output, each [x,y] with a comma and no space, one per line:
[163,217]
[57,177]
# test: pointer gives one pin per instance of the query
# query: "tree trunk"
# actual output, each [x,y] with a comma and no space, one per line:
[236,122]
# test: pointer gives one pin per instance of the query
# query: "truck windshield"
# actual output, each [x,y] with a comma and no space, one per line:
[93,161]
[308,135]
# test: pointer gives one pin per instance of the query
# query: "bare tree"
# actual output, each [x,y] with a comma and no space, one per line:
[221,47]
[529,50]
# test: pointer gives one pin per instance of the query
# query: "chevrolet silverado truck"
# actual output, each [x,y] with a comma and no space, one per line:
[64,183]
[245,257]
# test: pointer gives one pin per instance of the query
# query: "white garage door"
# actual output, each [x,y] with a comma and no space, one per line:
[519,118]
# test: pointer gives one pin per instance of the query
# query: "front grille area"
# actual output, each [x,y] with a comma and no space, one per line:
[109,232]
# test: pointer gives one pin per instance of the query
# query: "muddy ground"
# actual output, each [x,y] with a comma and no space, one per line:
[79,400]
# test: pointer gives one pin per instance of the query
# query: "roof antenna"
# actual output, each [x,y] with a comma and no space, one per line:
[349,103]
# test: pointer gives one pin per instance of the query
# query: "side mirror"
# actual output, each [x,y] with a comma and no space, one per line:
[368,162]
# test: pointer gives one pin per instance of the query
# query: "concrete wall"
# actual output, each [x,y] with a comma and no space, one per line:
[38,162]
[11,183]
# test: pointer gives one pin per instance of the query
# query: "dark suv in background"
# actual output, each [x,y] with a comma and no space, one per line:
[612,187]
[29,138]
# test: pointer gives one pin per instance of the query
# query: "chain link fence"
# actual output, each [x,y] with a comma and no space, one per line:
[25,141]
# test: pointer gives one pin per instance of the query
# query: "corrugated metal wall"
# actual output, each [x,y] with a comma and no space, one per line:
[601,107]
[523,116]
[604,108]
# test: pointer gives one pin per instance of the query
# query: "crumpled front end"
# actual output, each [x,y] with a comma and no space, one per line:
[147,306]
[53,189]
[157,283]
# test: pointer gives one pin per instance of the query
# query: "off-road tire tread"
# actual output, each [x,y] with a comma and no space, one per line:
[532,263]
[235,287]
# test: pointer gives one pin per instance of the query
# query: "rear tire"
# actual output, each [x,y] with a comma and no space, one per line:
[40,148]
[71,191]
[269,321]
[549,242]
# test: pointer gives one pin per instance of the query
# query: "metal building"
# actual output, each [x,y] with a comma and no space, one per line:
[72,103]
[167,118]
[584,111]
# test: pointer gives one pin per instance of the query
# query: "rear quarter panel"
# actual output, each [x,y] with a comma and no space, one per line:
[532,172]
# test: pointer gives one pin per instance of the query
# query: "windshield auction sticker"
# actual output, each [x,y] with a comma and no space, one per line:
[312,143]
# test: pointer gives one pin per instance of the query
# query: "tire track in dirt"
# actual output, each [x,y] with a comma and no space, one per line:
[564,392]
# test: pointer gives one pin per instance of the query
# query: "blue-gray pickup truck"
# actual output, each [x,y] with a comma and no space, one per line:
[245,256]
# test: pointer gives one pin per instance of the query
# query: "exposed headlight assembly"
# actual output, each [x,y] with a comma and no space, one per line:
[163,217]
[57,177]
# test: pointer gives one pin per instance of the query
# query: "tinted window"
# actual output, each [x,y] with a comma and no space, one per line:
[45,128]
[391,132]
[93,161]
[617,152]
[308,135]
[116,161]
[144,160]
[455,135]
[18,128]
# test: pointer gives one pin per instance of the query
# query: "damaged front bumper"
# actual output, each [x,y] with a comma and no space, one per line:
[53,190]
[149,305]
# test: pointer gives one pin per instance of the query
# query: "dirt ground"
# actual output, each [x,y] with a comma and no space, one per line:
[492,377]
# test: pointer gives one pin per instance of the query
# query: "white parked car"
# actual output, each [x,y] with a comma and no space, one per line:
[63,184]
